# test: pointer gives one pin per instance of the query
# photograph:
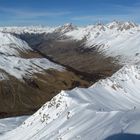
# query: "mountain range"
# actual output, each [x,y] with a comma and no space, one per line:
[88,76]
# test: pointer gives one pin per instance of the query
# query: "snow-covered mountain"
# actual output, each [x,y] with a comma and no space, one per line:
[65,28]
[11,61]
[116,39]
[110,106]
[111,39]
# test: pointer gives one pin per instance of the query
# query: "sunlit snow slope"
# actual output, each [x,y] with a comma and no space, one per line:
[11,61]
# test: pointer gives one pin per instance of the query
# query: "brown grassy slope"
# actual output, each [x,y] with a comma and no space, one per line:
[74,54]
[18,98]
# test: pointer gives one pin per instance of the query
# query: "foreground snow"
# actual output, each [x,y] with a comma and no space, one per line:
[8,124]
[110,106]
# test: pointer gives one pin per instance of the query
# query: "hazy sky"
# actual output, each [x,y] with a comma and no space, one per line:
[56,12]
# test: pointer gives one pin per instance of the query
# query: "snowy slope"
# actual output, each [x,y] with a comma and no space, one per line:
[124,45]
[10,45]
[108,107]
[116,39]
[12,63]
[19,67]
[8,124]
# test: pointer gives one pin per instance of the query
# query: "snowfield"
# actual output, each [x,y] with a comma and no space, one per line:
[110,106]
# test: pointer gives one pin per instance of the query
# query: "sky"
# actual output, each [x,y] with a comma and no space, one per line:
[58,12]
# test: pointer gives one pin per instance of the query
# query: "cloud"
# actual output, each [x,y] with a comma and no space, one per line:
[32,14]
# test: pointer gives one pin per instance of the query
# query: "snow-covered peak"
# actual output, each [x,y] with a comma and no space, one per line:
[87,31]
[121,25]
[128,25]
[94,31]
[114,24]
[66,28]
[100,26]
[124,46]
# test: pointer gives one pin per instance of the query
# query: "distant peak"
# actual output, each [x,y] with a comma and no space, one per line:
[130,23]
[121,25]
[100,26]
[66,28]
[68,24]
[99,23]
